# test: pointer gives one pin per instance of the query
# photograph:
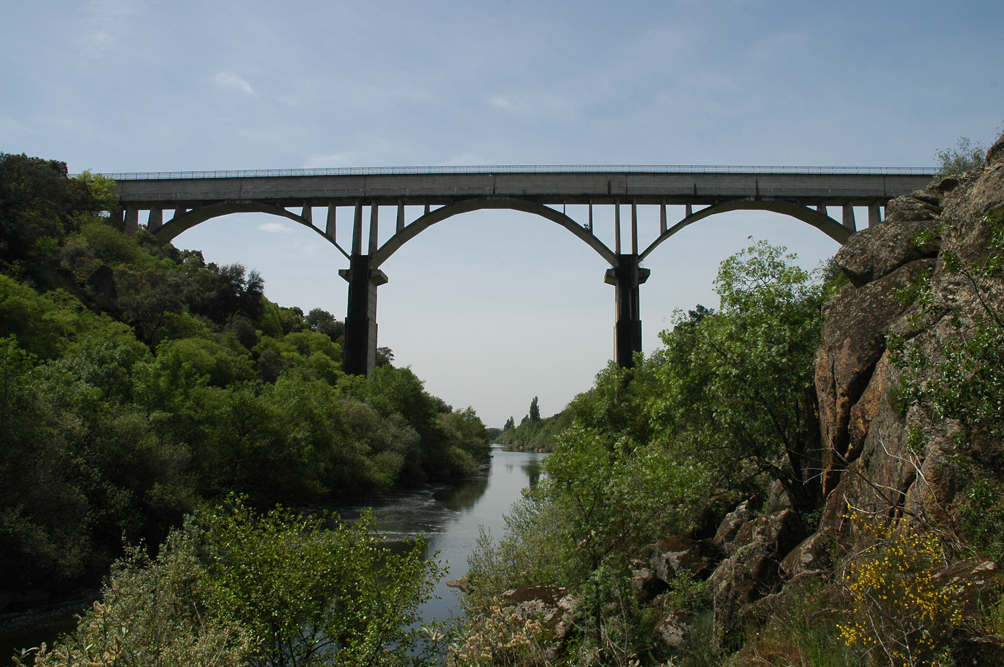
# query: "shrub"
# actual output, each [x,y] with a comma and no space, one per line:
[966,156]
[153,613]
[899,610]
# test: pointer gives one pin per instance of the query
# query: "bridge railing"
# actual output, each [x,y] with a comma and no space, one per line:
[513,169]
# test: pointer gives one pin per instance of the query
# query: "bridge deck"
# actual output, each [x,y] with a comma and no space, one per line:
[640,185]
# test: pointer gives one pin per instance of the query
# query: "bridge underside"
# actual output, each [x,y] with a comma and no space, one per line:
[806,197]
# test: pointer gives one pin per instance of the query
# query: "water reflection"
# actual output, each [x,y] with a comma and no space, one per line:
[532,471]
[465,495]
[449,517]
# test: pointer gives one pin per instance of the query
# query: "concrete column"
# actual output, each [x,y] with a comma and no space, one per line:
[330,225]
[874,217]
[374,226]
[178,212]
[400,217]
[662,218]
[634,228]
[848,220]
[590,217]
[617,227]
[357,231]
[156,220]
[626,278]
[359,353]
[690,210]
[131,223]
[307,213]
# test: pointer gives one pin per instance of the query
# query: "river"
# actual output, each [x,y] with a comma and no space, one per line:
[447,515]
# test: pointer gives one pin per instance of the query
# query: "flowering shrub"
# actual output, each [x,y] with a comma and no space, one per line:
[502,636]
[899,610]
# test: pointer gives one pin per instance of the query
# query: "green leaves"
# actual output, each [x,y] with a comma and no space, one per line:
[318,594]
[737,385]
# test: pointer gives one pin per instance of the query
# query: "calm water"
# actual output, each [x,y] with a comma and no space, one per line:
[449,516]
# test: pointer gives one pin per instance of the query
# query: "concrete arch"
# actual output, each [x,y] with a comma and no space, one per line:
[466,206]
[174,227]
[824,223]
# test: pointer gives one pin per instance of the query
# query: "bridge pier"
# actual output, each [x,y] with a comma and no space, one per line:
[626,277]
[359,352]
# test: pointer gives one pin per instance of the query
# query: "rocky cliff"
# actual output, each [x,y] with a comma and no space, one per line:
[873,465]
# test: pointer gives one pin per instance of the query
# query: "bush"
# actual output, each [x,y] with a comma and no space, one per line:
[154,613]
[966,156]
[899,611]
[316,594]
[236,587]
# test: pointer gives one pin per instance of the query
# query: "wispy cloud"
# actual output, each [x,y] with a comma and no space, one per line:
[274,228]
[333,160]
[105,20]
[228,78]
[534,104]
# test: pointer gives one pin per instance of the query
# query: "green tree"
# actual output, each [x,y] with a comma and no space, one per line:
[319,595]
[534,410]
[738,385]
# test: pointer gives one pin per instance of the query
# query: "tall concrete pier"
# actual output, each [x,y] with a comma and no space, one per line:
[804,193]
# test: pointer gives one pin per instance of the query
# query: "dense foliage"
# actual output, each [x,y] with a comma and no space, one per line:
[236,587]
[137,380]
[724,410]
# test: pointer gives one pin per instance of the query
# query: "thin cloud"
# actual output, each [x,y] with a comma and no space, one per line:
[228,78]
[105,21]
[333,160]
[274,228]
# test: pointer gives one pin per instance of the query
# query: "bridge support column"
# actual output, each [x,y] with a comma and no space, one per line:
[359,353]
[626,278]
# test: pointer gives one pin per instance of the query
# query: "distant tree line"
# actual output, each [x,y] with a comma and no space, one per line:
[533,431]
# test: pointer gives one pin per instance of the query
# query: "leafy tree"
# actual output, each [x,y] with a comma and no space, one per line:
[738,385]
[509,424]
[534,410]
[324,322]
[384,356]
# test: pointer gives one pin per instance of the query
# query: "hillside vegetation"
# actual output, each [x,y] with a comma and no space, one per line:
[809,475]
[138,381]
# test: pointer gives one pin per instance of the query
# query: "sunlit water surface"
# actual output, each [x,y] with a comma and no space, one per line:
[449,517]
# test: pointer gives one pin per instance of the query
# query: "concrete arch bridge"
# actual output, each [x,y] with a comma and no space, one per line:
[362,194]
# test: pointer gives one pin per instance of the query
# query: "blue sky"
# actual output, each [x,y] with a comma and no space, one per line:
[494,308]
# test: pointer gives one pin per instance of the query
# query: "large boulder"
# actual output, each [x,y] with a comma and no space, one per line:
[674,554]
[753,569]
[878,251]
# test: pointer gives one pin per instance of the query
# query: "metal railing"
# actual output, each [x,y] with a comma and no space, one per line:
[515,169]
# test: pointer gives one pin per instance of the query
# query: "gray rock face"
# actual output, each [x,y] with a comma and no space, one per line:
[730,526]
[753,569]
[865,431]
[909,208]
[673,628]
[878,251]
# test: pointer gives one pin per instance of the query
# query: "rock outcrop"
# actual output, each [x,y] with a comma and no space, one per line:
[865,426]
